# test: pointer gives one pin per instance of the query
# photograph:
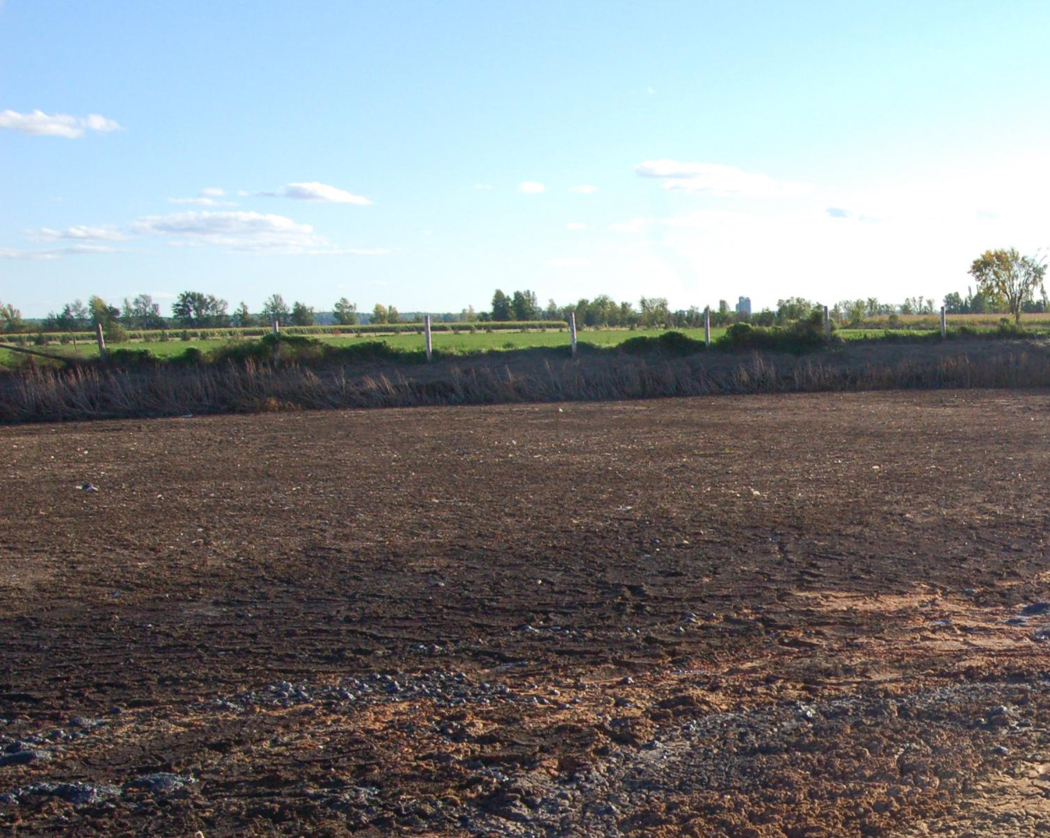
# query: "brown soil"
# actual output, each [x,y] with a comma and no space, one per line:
[748,616]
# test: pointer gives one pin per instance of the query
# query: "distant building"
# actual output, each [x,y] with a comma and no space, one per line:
[743,306]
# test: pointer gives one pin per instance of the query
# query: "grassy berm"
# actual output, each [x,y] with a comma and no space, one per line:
[794,615]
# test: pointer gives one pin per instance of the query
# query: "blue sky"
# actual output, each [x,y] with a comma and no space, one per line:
[423,154]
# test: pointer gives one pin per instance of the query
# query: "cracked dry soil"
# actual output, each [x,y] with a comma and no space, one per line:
[794,615]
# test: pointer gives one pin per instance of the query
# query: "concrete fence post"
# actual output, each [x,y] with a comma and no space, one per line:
[101,340]
[572,331]
[827,325]
[276,327]
[707,326]
[944,323]
[430,340]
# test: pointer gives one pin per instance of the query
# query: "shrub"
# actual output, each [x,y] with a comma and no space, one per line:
[801,336]
[192,356]
[669,343]
[1010,329]
[132,358]
[115,333]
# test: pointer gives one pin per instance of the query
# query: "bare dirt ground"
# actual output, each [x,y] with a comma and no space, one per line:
[749,616]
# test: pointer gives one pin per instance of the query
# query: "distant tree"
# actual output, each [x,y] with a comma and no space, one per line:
[102,313]
[1009,278]
[275,310]
[654,311]
[468,315]
[345,312]
[953,303]
[501,306]
[975,303]
[142,313]
[380,314]
[302,314]
[793,309]
[392,315]
[524,306]
[74,317]
[10,319]
[194,308]
[242,317]
[552,312]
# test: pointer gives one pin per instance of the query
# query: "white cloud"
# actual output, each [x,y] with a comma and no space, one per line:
[244,193]
[241,230]
[319,192]
[41,124]
[635,225]
[715,179]
[577,225]
[81,232]
[533,187]
[213,191]
[94,122]
[584,189]
[568,263]
[60,253]
[245,231]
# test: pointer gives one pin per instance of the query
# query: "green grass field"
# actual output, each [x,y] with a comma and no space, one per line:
[461,343]
[450,342]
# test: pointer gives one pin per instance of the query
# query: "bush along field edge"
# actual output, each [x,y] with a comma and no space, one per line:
[293,372]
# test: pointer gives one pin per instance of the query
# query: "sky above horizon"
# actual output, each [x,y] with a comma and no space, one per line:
[424,154]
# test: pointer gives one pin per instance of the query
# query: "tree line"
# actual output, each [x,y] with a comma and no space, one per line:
[1006,282]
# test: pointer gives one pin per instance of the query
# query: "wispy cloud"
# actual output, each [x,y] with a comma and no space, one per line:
[59,253]
[241,230]
[318,192]
[81,232]
[715,179]
[838,212]
[577,225]
[213,191]
[245,231]
[568,263]
[41,124]
[584,189]
[533,187]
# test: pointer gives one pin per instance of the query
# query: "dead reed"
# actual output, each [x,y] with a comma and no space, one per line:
[47,394]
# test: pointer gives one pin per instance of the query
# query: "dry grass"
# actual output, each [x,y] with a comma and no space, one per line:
[50,394]
[933,321]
